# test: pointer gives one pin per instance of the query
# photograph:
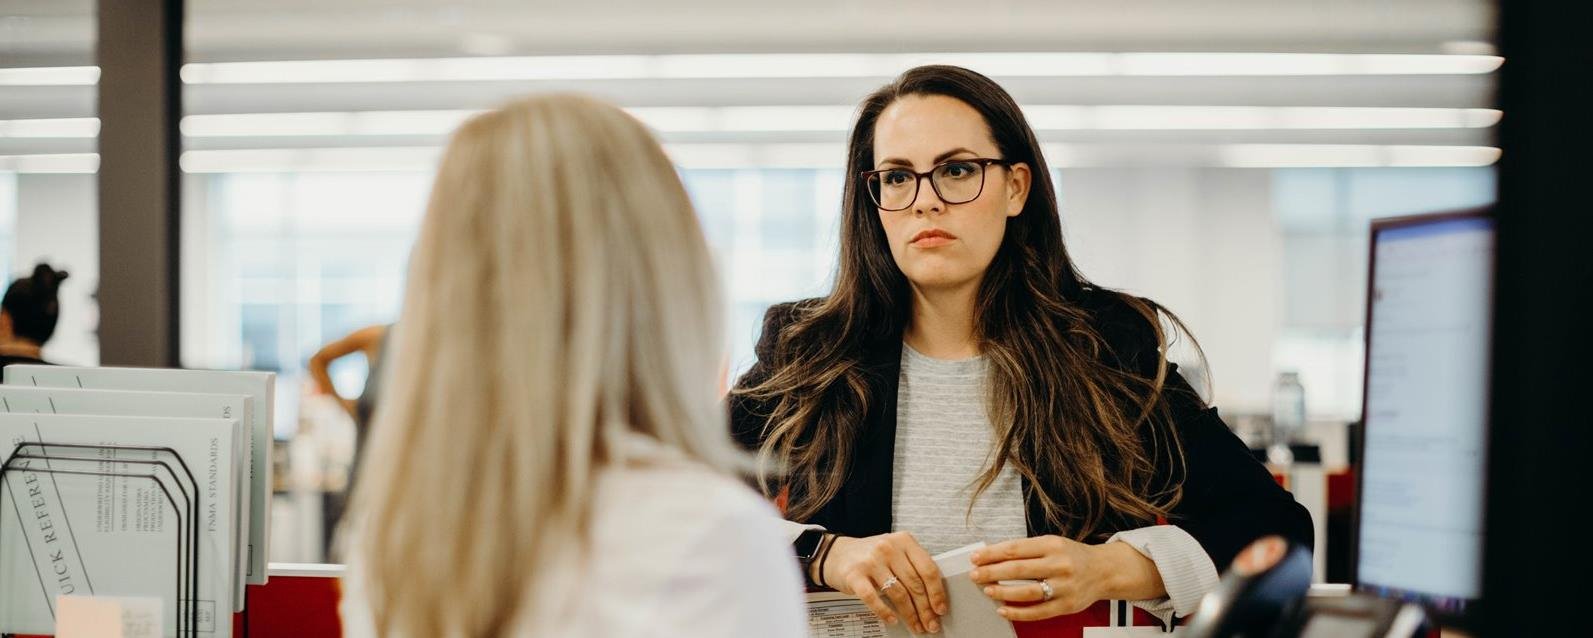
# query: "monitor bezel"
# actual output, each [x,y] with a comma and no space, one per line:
[1466,617]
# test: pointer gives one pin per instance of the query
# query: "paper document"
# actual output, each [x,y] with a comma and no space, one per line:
[19,399]
[836,615]
[258,386]
[972,614]
[108,526]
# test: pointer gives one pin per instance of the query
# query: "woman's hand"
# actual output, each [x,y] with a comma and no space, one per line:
[863,567]
[1078,575]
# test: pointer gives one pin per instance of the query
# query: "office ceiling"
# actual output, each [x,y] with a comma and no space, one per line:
[55,32]
[36,33]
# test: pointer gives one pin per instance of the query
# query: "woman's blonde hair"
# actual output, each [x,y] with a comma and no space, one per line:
[560,299]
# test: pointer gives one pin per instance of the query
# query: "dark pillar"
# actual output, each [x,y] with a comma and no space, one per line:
[140,52]
[1542,425]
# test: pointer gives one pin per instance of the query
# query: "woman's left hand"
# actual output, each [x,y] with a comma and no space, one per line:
[1078,575]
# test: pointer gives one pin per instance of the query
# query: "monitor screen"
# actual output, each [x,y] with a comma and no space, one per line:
[1429,322]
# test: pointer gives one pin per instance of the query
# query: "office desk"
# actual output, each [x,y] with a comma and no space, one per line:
[301,600]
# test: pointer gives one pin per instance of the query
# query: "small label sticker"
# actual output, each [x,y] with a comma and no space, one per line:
[108,617]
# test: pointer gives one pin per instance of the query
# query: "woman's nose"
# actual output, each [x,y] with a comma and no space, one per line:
[928,201]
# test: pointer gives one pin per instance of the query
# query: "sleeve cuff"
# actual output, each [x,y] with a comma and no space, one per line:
[1186,571]
[793,530]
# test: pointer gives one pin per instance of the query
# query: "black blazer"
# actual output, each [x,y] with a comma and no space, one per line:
[1229,498]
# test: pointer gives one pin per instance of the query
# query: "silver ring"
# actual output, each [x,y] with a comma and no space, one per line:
[1045,591]
[889,583]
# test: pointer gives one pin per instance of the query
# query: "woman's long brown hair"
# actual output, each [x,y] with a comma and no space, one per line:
[1066,412]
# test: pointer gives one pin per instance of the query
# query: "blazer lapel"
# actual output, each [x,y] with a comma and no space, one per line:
[866,495]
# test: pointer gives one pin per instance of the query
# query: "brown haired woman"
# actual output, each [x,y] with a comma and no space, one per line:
[964,382]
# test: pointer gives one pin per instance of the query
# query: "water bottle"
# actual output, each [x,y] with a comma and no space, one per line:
[1288,417]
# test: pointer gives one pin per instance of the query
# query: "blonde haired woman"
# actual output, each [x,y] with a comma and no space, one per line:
[550,457]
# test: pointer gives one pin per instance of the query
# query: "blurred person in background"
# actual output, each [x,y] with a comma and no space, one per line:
[368,341]
[28,314]
[964,382]
[549,456]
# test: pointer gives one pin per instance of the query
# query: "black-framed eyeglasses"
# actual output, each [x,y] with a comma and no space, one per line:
[956,182]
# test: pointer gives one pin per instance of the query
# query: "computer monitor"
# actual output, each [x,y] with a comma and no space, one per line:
[1419,525]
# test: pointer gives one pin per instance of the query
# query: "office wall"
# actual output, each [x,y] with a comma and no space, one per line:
[1201,241]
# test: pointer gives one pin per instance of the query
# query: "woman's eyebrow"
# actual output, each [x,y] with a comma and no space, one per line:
[938,158]
[948,154]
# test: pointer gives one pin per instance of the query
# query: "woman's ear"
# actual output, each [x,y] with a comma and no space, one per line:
[6,329]
[1018,180]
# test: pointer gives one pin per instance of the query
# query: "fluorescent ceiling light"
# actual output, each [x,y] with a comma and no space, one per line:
[50,76]
[796,119]
[831,156]
[783,155]
[1353,155]
[425,158]
[1140,118]
[732,156]
[737,119]
[72,127]
[324,124]
[751,119]
[1165,64]
[363,159]
[828,65]
[784,65]
[51,163]
[754,119]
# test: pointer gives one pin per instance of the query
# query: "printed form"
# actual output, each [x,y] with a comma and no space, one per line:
[973,615]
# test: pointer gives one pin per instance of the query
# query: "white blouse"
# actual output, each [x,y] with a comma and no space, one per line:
[676,550]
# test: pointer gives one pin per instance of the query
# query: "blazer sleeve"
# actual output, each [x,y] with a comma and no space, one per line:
[1229,498]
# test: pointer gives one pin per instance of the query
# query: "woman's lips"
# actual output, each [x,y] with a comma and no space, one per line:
[931,238]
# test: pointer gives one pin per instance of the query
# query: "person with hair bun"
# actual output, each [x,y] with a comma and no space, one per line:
[28,314]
